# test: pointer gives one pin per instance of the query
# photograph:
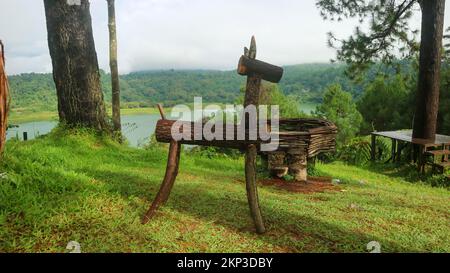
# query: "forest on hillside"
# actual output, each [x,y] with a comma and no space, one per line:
[144,89]
[307,82]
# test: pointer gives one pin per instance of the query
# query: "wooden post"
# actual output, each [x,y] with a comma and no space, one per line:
[25,136]
[421,163]
[399,151]
[373,148]
[446,157]
[277,164]
[298,165]
[252,93]
[411,152]
[393,147]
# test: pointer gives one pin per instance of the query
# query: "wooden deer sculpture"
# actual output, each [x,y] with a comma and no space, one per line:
[255,71]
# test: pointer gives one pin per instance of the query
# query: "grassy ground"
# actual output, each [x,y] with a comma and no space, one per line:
[17,116]
[75,186]
[22,115]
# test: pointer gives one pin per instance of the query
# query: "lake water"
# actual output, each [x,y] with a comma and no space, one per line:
[138,129]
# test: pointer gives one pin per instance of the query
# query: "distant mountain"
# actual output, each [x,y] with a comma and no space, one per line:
[141,89]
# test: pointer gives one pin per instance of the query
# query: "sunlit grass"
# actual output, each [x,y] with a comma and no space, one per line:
[77,186]
[23,115]
[17,116]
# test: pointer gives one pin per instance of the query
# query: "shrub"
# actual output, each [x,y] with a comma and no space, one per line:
[358,150]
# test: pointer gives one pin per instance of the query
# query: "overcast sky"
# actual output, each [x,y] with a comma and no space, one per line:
[181,34]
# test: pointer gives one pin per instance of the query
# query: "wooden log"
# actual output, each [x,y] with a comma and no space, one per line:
[277,165]
[311,144]
[268,72]
[163,133]
[168,181]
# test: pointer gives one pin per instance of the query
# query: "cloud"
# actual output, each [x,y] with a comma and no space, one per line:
[180,34]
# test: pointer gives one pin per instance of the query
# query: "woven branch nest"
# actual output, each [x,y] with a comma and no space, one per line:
[307,135]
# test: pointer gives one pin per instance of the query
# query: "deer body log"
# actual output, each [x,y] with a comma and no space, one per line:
[163,133]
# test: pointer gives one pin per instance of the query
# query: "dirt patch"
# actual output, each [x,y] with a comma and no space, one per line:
[314,184]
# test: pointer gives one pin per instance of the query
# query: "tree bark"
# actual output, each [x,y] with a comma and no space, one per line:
[4,99]
[114,67]
[277,164]
[163,133]
[298,165]
[427,97]
[75,66]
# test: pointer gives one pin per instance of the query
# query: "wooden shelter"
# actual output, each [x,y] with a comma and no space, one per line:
[434,152]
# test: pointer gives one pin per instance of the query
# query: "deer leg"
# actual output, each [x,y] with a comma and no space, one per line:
[169,179]
[252,191]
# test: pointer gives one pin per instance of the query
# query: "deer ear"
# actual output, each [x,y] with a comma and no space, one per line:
[252,50]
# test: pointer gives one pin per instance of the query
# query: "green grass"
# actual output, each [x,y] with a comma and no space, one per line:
[76,186]
[17,116]
[23,115]
[138,111]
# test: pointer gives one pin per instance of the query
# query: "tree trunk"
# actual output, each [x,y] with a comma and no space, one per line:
[427,98]
[75,66]
[113,66]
